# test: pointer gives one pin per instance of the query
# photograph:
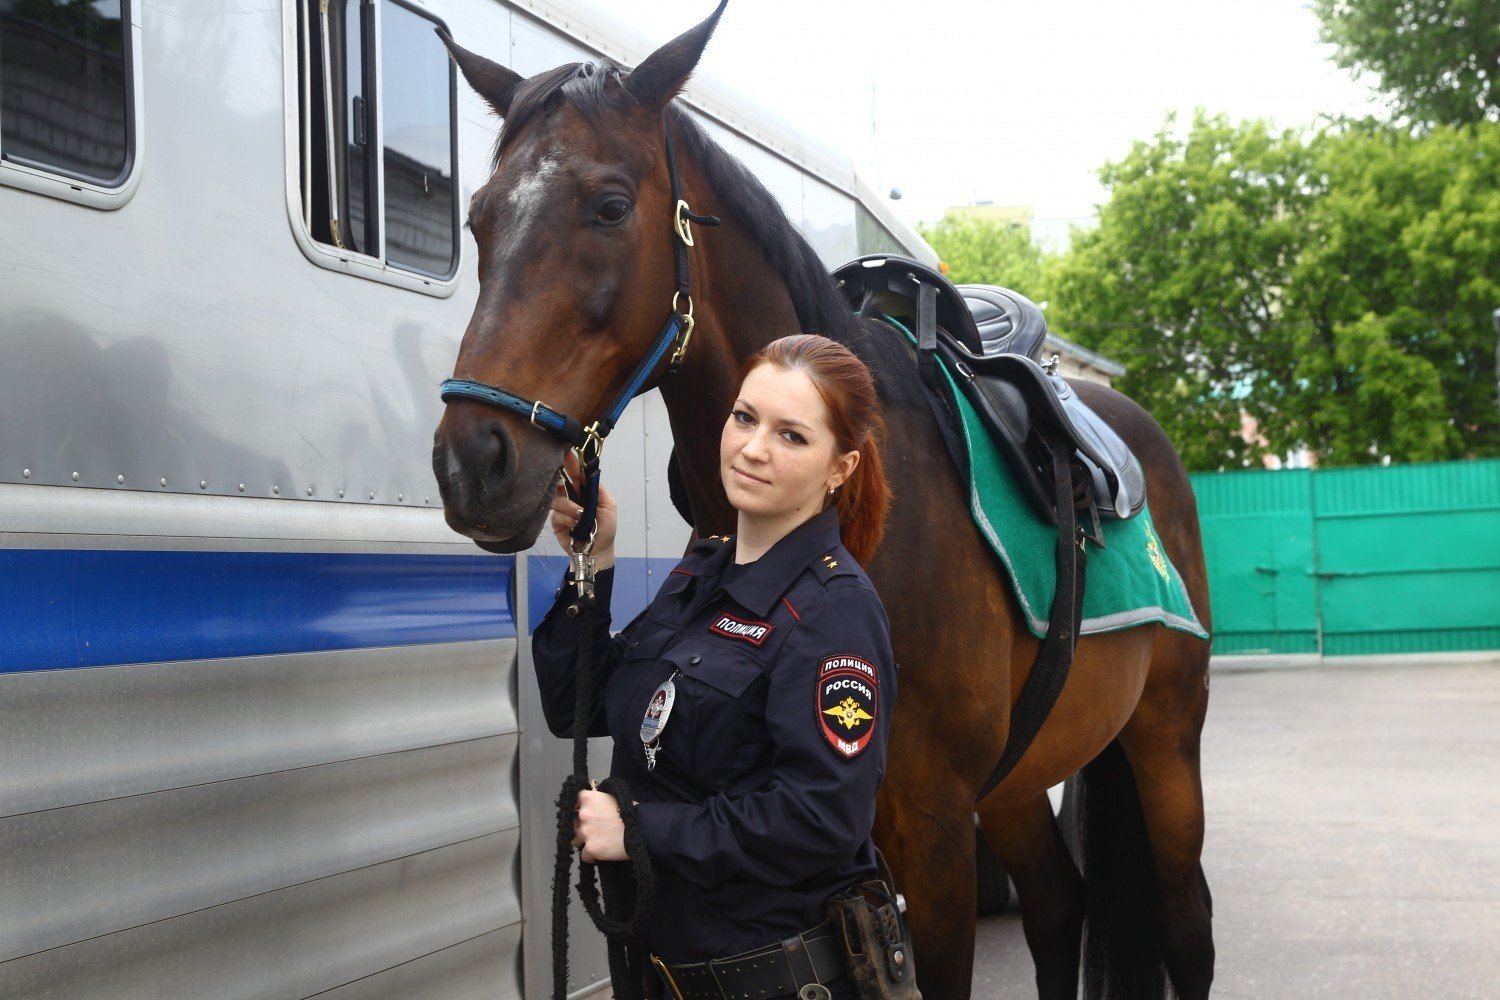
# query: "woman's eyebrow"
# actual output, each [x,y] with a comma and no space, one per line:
[784,421]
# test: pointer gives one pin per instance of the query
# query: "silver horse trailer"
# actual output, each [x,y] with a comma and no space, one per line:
[266,729]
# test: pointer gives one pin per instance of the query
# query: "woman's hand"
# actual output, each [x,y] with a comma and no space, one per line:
[598,828]
[565,514]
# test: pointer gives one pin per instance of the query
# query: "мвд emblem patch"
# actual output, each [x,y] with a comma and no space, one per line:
[848,701]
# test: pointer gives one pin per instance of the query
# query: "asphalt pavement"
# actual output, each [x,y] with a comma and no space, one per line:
[1353,835]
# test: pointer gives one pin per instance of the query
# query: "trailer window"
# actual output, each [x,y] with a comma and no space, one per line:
[378,156]
[64,87]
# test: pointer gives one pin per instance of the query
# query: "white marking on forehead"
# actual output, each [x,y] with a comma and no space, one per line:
[528,191]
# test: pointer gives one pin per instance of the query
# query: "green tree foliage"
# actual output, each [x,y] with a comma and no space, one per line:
[1182,280]
[1335,288]
[981,251]
[1438,60]
[1396,282]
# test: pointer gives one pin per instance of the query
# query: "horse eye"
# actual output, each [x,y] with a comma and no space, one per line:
[612,211]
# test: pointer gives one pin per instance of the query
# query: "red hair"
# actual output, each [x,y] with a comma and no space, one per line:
[848,390]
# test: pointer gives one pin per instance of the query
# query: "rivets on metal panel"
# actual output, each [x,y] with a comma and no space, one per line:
[242,487]
[203,484]
[164,480]
[25,473]
[427,499]
[372,496]
[341,494]
[309,491]
[401,498]
[276,490]
[75,477]
[120,480]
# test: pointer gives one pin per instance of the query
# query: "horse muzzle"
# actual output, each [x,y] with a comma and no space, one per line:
[491,492]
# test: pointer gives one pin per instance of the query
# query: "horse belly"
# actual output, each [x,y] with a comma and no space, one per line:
[1103,688]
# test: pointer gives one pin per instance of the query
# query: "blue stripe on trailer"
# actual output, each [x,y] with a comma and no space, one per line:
[63,608]
[633,590]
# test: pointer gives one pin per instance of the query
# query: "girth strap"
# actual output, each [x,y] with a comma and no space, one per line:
[1050,671]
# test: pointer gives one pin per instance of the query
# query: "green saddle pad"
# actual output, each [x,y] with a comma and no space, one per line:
[1129,582]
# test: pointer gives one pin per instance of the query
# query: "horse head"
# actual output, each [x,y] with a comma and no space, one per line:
[575,231]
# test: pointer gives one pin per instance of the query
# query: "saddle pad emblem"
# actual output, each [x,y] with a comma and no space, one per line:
[1153,549]
[848,702]
[753,632]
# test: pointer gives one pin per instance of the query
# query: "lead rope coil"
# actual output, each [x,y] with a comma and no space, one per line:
[622,887]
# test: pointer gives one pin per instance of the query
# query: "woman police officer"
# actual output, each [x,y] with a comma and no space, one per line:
[750,703]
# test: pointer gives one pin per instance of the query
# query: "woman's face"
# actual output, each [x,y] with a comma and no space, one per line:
[778,456]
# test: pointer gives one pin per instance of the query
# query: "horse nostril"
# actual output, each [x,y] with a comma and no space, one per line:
[496,455]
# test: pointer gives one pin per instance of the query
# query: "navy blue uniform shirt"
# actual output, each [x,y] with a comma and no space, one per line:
[763,795]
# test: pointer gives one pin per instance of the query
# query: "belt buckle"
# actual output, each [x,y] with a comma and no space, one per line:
[665,973]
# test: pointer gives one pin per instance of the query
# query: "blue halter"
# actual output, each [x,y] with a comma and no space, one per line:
[588,442]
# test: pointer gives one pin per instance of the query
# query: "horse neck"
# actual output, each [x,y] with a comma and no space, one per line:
[741,304]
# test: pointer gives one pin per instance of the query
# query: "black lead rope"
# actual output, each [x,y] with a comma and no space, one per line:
[620,901]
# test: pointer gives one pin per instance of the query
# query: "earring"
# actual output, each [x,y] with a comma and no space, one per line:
[831,489]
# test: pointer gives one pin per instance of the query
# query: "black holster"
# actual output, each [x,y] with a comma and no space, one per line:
[869,926]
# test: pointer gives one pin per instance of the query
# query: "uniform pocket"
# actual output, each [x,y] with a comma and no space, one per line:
[723,668]
[648,640]
[723,712]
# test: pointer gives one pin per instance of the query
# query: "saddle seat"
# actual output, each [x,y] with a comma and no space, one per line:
[992,341]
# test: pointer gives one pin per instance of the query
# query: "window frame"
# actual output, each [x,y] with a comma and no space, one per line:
[297,70]
[80,189]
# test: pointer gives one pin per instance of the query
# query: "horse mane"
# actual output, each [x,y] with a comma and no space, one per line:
[821,307]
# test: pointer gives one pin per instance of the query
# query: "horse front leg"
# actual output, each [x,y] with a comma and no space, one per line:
[1049,890]
[927,834]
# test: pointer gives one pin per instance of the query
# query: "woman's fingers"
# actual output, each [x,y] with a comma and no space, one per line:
[573,469]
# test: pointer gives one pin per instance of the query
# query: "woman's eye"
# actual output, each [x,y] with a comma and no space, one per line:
[741,417]
[613,211]
[794,437]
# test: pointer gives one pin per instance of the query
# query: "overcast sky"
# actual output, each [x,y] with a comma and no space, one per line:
[1012,101]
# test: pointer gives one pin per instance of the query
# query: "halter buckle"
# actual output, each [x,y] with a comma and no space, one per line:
[534,408]
[591,436]
[686,335]
[682,223]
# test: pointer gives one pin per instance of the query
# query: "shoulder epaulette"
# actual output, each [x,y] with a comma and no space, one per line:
[833,563]
[711,544]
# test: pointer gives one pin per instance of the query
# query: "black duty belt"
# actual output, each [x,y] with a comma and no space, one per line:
[777,970]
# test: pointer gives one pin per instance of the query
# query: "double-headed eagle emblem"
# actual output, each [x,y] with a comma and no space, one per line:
[849,713]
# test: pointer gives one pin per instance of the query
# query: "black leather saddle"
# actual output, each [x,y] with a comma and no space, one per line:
[992,340]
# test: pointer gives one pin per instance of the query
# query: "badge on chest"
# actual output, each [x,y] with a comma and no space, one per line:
[658,711]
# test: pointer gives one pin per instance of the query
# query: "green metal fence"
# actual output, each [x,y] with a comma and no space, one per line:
[1393,559]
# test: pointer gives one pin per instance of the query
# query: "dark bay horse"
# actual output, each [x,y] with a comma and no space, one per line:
[576,263]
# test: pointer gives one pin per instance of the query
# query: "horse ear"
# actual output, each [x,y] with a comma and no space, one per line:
[490,80]
[658,79]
